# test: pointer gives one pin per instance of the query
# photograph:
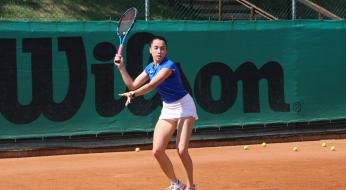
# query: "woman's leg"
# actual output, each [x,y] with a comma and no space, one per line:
[185,126]
[163,132]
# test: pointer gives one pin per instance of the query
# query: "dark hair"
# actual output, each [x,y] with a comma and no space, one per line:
[158,38]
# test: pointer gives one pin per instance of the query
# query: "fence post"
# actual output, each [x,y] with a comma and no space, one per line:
[147,11]
[252,13]
[220,10]
[293,9]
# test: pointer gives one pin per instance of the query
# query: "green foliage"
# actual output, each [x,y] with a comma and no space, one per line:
[74,9]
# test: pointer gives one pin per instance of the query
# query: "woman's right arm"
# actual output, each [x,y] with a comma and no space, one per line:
[129,82]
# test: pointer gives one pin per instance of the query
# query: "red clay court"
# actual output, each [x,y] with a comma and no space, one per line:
[275,167]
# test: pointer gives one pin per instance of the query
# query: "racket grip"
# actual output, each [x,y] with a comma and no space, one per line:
[120,49]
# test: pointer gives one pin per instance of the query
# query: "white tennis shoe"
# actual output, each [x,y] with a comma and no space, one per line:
[192,188]
[177,186]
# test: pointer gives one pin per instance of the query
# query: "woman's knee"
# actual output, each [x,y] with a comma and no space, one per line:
[157,152]
[182,151]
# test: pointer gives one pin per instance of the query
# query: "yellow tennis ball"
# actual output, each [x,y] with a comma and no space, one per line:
[246,148]
[332,148]
[295,149]
[324,144]
[264,144]
[137,149]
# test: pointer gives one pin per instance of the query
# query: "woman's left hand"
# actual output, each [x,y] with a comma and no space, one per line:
[129,96]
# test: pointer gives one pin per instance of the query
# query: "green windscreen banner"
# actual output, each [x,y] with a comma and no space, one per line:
[58,78]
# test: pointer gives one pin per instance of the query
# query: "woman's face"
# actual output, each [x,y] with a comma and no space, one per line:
[158,50]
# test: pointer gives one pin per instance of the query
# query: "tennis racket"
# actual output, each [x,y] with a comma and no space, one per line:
[125,24]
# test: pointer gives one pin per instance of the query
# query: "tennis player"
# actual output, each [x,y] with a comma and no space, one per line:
[178,111]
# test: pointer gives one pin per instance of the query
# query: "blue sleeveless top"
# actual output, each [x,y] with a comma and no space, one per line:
[172,88]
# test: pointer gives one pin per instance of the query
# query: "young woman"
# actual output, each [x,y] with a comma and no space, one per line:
[178,111]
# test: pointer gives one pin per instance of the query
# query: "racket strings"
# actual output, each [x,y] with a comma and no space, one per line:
[126,21]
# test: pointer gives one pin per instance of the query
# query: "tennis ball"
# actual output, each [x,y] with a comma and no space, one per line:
[324,144]
[137,149]
[264,144]
[123,33]
[246,148]
[295,149]
[332,148]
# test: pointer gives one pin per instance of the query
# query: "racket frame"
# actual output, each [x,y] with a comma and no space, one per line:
[122,37]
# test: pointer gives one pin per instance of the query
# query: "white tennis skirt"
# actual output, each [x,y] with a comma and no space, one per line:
[184,107]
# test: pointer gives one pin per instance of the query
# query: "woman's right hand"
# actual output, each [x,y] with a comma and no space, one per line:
[118,61]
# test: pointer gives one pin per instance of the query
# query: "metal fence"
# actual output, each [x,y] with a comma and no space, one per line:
[257,9]
[173,9]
